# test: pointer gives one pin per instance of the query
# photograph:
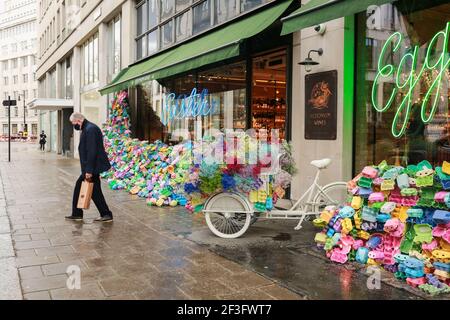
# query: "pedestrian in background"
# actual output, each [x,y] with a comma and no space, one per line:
[42,140]
[93,160]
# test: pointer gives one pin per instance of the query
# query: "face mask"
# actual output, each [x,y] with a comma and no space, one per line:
[77,127]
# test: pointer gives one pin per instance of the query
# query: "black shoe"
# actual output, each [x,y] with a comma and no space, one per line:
[74,218]
[104,219]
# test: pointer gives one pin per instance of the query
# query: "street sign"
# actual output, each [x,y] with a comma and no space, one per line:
[7,103]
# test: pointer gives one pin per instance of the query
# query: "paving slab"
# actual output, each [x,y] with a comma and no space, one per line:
[9,280]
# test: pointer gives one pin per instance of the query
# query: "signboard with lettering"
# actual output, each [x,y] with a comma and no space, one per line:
[321,105]
[185,107]
[7,103]
[408,75]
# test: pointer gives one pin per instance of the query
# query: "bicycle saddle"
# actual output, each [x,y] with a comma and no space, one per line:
[321,164]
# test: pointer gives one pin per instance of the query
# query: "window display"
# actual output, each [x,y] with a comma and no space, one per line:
[191,105]
[269,92]
[402,110]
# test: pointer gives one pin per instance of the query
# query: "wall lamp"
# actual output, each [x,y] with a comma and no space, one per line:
[308,62]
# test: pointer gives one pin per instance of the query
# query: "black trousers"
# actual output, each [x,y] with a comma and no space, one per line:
[97,197]
[42,146]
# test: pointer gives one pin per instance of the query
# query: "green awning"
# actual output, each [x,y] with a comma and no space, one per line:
[319,11]
[216,46]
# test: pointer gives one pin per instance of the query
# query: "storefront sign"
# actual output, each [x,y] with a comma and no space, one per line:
[405,78]
[184,107]
[320,106]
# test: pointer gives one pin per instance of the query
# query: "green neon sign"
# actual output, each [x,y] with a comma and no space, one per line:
[386,71]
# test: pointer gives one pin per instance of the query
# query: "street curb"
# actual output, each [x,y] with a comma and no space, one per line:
[10,288]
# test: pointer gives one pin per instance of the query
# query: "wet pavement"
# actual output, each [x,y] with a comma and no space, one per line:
[141,255]
[152,253]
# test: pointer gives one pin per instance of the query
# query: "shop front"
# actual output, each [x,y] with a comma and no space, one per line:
[249,92]
[391,63]
[240,71]
[391,60]
[402,83]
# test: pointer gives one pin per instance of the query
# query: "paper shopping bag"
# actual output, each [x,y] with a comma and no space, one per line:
[84,199]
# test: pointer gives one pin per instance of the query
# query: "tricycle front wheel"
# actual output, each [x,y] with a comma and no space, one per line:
[228,215]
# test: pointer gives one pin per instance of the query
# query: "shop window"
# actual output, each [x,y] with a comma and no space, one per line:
[179,88]
[406,138]
[145,116]
[222,89]
[224,10]
[226,89]
[269,92]
[202,16]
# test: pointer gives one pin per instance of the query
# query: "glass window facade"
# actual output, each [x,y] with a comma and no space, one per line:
[187,17]
[222,89]
[269,92]
[170,109]
[402,101]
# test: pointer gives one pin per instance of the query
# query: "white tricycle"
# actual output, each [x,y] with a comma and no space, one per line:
[230,214]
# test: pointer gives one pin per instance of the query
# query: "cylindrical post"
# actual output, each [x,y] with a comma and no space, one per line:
[24,121]
[9,129]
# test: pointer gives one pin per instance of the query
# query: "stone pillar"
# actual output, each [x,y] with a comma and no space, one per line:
[128,24]
[332,43]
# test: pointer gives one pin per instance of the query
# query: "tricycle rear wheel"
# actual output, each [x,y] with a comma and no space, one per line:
[228,215]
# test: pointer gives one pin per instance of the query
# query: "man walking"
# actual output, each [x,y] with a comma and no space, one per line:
[94,160]
[42,140]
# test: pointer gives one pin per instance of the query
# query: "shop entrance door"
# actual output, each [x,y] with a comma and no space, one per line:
[268,106]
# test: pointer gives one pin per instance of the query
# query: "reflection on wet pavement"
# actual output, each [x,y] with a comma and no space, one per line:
[143,254]
[160,253]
